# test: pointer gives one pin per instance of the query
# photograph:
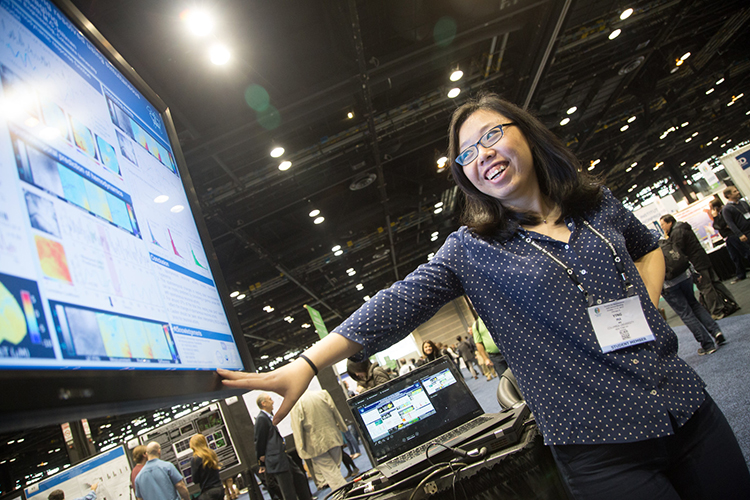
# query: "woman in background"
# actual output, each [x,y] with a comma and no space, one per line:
[205,466]
[430,351]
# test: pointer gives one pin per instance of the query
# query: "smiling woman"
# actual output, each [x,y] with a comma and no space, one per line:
[538,163]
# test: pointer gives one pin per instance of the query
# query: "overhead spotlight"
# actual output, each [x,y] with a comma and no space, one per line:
[564,121]
[438,204]
[289,319]
[277,151]
[453,93]
[624,128]
[241,296]
[634,164]
[338,253]
[442,161]
[360,286]
[285,165]
[198,21]
[366,298]
[572,110]
[438,210]
[719,81]
[709,90]
[350,115]
[314,213]
[336,248]
[234,294]
[219,54]
[626,14]
[615,34]
[269,309]
[435,234]
[683,163]
[685,56]
[456,75]
[306,325]
[319,220]
[685,124]
[694,134]
[688,139]
[430,255]
[679,62]
[631,119]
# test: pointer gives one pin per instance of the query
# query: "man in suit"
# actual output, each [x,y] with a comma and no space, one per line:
[736,213]
[271,451]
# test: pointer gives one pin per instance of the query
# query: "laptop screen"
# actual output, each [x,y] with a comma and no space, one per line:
[412,409]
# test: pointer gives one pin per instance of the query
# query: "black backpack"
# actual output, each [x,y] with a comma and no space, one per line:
[676,262]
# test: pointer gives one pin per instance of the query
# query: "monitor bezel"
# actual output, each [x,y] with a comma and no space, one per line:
[42,397]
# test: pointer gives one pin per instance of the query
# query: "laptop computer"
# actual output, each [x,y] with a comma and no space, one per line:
[400,419]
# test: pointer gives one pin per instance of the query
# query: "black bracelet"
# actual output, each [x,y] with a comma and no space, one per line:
[312,365]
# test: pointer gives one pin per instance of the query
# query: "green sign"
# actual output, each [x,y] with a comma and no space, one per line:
[317,320]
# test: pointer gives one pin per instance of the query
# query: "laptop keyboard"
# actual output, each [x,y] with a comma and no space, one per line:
[444,438]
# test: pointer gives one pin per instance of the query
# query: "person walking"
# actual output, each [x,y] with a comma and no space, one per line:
[710,286]
[467,354]
[677,290]
[317,427]
[271,452]
[737,249]
[552,262]
[159,480]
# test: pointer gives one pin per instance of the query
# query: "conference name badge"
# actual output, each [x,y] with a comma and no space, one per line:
[620,324]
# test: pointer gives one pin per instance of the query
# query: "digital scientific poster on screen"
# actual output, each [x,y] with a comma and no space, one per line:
[110,470]
[101,263]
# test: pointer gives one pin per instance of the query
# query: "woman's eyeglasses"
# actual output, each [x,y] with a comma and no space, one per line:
[493,135]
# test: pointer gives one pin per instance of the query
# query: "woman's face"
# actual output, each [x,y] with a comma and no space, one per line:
[504,170]
[427,348]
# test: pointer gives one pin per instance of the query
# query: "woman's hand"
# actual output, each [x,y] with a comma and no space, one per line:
[290,382]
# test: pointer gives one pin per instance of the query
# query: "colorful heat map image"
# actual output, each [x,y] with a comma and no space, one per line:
[23,326]
[52,259]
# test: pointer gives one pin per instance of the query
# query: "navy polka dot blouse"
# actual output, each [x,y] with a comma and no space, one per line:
[538,317]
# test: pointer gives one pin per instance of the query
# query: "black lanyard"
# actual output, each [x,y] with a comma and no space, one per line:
[627,286]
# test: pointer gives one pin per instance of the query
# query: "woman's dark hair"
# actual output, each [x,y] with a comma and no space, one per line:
[354,367]
[560,175]
[435,354]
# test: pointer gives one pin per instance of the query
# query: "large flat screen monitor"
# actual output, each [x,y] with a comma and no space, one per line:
[111,298]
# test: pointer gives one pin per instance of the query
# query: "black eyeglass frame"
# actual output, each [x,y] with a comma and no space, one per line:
[474,147]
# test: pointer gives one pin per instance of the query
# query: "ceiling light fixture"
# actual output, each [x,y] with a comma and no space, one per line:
[366,298]
[319,220]
[571,110]
[241,296]
[350,115]
[219,54]
[198,21]
[360,286]
[306,325]
[564,121]
[441,162]
[277,152]
[234,294]
[438,210]
[338,253]
[268,309]
[336,248]
[314,213]
[709,90]
[438,204]
[685,56]
[615,34]
[453,93]
[624,128]
[456,75]
[626,14]
[685,124]
[631,119]
[719,81]
[285,165]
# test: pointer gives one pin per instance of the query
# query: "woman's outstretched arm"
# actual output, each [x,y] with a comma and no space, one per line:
[291,380]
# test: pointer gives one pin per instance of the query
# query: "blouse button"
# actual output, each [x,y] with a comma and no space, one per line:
[654,393]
